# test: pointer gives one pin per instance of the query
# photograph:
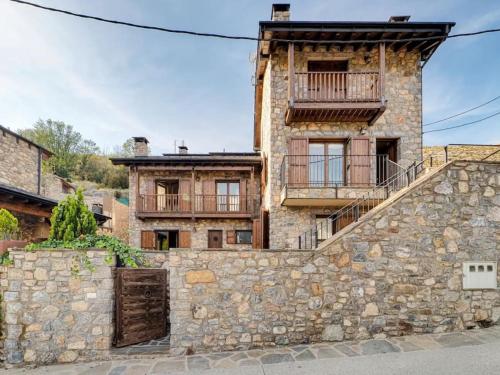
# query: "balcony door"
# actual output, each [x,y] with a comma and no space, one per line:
[326,164]
[167,195]
[228,196]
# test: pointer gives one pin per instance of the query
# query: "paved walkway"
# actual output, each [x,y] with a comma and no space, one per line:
[475,351]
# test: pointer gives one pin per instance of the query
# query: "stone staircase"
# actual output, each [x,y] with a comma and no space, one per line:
[400,180]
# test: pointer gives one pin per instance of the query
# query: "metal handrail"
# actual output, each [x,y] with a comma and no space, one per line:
[358,207]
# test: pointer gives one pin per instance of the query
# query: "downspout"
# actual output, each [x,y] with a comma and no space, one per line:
[421,113]
[39,179]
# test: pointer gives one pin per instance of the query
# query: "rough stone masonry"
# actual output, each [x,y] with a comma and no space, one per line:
[51,315]
[397,271]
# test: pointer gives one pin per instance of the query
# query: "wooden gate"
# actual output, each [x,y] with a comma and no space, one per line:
[142,305]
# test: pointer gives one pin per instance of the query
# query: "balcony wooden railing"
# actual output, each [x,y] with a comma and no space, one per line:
[183,204]
[337,87]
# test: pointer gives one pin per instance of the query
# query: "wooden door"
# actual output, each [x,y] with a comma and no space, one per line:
[215,239]
[359,161]
[142,305]
[185,195]
[298,149]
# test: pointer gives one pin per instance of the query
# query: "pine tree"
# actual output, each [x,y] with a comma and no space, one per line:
[71,219]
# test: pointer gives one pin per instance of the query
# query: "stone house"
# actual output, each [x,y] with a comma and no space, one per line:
[24,190]
[337,112]
[193,200]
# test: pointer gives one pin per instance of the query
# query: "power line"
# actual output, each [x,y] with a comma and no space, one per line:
[242,37]
[462,113]
[466,124]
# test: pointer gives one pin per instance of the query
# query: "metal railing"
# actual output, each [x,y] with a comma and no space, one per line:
[337,86]
[350,213]
[320,171]
[198,203]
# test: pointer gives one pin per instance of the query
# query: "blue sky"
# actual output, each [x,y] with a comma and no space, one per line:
[112,82]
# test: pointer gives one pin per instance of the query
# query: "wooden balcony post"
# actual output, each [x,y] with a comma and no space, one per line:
[291,74]
[193,196]
[137,190]
[381,50]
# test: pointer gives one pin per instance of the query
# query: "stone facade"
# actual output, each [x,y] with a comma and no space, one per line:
[18,162]
[51,315]
[198,227]
[401,120]
[397,271]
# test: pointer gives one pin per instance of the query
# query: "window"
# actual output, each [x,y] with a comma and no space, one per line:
[327,66]
[243,236]
[326,164]
[228,196]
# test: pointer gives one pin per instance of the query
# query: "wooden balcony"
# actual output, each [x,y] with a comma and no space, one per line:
[335,96]
[196,206]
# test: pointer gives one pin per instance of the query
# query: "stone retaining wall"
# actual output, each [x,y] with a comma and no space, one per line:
[50,315]
[396,272]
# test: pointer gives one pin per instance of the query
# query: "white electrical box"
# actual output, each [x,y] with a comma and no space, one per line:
[480,275]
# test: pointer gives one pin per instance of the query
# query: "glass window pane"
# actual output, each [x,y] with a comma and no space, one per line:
[336,163]
[234,188]
[221,188]
[243,237]
[316,164]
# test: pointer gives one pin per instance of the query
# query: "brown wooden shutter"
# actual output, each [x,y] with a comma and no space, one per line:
[150,197]
[298,150]
[209,198]
[230,237]
[148,240]
[263,174]
[256,234]
[185,195]
[243,196]
[360,161]
[185,239]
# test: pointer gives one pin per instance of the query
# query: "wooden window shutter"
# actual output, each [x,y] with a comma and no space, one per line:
[185,195]
[148,239]
[185,239]
[230,237]
[256,234]
[360,161]
[150,197]
[298,149]
[263,174]
[243,196]
[209,198]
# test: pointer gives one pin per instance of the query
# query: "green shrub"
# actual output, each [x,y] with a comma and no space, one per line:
[127,255]
[9,225]
[71,218]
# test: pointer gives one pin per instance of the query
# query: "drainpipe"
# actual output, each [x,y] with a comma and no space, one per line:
[39,177]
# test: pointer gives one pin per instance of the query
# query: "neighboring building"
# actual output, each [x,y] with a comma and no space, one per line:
[335,117]
[193,200]
[21,185]
[337,113]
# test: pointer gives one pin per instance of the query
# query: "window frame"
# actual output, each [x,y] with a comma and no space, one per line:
[326,176]
[237,231]
[227,201]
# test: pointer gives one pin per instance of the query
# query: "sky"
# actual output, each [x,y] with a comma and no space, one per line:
[113,82]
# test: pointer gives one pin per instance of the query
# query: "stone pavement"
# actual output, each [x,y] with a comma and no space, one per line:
[319,358]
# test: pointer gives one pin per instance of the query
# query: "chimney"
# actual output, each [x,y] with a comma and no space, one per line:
[183,149]
[398,19]
[141,146]
[280,12]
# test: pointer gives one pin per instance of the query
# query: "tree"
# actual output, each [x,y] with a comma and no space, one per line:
[9,224]
[71,219]
[66,143]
